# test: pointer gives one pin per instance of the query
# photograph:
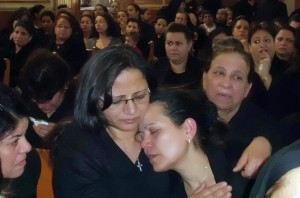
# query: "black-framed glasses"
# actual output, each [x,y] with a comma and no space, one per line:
[140,97]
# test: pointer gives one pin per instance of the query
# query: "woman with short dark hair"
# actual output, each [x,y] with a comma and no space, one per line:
[98,155]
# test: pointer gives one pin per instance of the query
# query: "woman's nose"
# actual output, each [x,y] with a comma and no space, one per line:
[146,142]
[25,146]
[129,107]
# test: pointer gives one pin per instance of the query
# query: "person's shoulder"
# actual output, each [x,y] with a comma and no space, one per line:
[253,109]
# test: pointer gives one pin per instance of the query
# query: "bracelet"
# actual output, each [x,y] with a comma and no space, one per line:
[264,79]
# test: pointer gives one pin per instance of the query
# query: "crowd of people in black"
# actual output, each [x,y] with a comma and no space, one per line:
[191,102]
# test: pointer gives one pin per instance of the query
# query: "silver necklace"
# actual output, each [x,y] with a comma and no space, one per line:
[139,164]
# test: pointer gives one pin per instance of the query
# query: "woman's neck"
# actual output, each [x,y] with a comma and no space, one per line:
[284,57]
[195,169]
[60,41]
[126,141]
[87,34]
[17,48]
[103,41]
[226,115]
[179,67]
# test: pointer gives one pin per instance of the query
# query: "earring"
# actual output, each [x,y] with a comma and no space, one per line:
[189,140]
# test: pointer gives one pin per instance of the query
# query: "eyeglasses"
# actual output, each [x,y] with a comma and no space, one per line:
[66,27]
[140,97]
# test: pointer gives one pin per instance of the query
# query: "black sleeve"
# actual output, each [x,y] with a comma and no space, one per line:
[79,170]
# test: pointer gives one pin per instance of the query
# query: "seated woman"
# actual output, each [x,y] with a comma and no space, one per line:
[87,26]
[178,69]
[285,46]
[262,50]
[240,31]
[122,18]
[108,33]
[19,49]
[97,155]
[171,134]
[44,85]
[227,82]
[284,97]
[68,42]
[13,145]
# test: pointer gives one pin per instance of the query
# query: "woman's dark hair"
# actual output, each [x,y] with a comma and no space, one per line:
[36,9]
[295,18]
[94,33]
[43,75]
[288,28]
[70,17]
[235,20]
[48,13]
[144,10]
[176,27]
[160,17]
[216,32]
[20,13]
[73,23]
[11,110]
[232,45]
[134,20]
[97,78]
[180,105]
[112,27]
[27,26]
[103,7]
[264,26]
[137,8]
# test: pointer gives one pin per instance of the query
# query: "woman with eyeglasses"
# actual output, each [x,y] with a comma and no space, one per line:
[98,155]
[87,26]
[68,41]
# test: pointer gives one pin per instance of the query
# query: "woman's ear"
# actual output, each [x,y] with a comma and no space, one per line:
[204,76]
[66,86]
[190,127]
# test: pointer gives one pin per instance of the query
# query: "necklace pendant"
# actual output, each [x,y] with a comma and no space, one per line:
[139,165]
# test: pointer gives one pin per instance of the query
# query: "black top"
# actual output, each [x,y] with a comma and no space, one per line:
[249,122]
[147,34]
[159,46]
[65,110]
[191,7]
[268,10]
[191,78]
[222,172]
[17,60]
[284,98]
[72,51]
[243,7]
[90,164]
